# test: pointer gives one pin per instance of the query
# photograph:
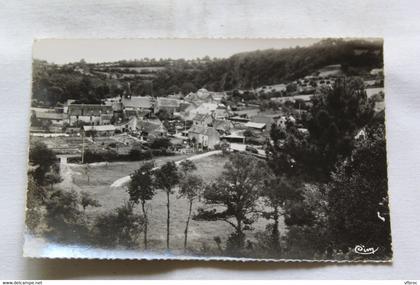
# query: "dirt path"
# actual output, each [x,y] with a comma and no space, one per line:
[126,179]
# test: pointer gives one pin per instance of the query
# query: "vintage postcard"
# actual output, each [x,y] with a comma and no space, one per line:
[214,149]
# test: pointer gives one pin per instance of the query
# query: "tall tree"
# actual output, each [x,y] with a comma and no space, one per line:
[141,189]
[166,178]
[276,191]
[237,190]
[189,187]
[358,199]
[335,117]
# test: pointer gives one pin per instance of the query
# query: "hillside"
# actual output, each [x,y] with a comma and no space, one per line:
[92,82]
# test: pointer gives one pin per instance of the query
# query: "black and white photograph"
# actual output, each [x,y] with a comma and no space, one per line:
[208,149]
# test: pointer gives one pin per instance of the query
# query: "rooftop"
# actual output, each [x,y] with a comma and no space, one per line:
[49,115]
[88,109]
[168,102]
[255,125]
[145,102]
[102,128]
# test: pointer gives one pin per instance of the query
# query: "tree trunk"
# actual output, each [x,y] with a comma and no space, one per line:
[187,225]
[167,218]
[241,240]
[276,233]
[146,222]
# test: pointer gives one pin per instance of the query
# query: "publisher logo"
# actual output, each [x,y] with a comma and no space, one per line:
[361,249]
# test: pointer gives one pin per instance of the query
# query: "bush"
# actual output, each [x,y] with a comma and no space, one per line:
[121,227]
[161,152]
[159,143]
[137,154]
[65,221]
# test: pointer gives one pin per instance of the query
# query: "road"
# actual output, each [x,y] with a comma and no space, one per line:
[126,179]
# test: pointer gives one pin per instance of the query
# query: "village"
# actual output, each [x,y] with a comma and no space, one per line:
[124,127]
[253,155]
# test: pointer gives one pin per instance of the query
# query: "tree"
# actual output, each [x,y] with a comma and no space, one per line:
[189,188]
[87,200]
[276,191]
[187,166]
[91,133]
[237,190]
[333,121]
[54,95]
[44,158]
[141,189]
[35,199]
[188,87]
[164,115]
[248,133]
[166,178]
[335,117]
[291,87]
[174,89]
[358,199]
[159,143]
[65,221]
[120,227]
[52,177]
[86,170]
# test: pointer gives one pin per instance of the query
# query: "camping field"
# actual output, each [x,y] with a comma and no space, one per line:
[201,233]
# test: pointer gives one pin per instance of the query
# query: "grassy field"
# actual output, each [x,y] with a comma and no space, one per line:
[201,233]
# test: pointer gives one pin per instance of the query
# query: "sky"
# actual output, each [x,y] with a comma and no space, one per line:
[62,51]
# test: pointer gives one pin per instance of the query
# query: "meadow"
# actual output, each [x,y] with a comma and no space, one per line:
[201,233]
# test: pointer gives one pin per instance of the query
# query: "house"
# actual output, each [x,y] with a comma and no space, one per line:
[203,108]
[202,95]
[239,119]
[102,130]
[203,119]
[150,129]
[284,120]
[218,96]
[87,113]
[221,112]
[130,125]
[53,117]
[203,136]
[105,119]
[167,104]
[255,126]
[138,102]
[223,126]
[271,88]
[361,134]
[186,108]
[129,113]
[267,119]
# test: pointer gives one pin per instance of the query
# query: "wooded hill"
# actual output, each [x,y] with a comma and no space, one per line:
[54,83]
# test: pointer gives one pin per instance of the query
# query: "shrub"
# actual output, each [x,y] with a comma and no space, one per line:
[121,227]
